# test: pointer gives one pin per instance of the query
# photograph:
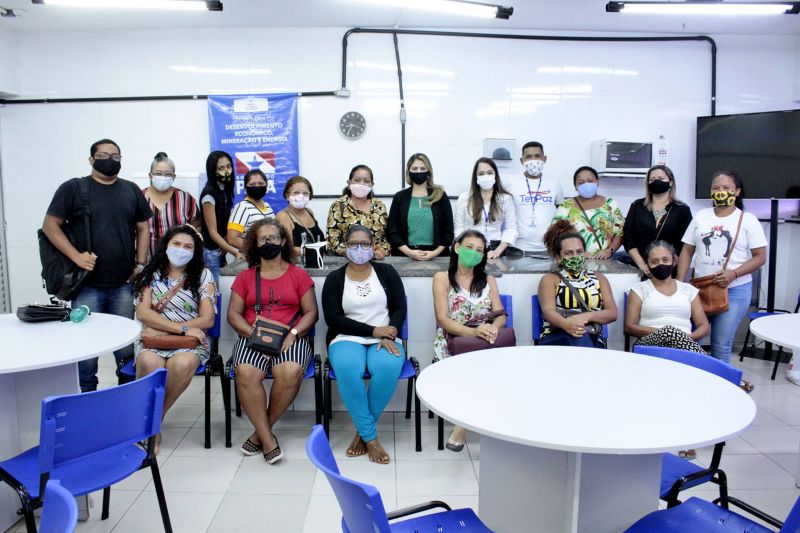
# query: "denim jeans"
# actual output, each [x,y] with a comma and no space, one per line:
[214,260]
[724,325]
[114,301]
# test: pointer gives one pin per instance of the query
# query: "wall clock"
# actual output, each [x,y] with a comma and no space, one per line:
[352,125]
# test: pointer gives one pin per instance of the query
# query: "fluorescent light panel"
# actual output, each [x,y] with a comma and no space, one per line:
[452,7]
[173,5]
[702,8]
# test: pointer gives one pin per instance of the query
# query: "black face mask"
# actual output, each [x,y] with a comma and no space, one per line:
[662,271]
[658,186]
[256,192]
[269,251]
[223,178]
[107,167]
[419,177]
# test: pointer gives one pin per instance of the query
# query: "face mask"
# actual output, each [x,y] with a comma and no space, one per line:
[588,190]
[107,167]
[298,201]
[256,192]
[269,251]
[534,167]
[661,271]
[419,177]
[486,182]
[723,198]
[360,190]
[658,187]
[468,257]
[360,256]
[179,257]
[162,183]
[224,177]
[573,264]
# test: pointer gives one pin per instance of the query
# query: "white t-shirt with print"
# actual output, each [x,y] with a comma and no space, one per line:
[536,201]
[712,236]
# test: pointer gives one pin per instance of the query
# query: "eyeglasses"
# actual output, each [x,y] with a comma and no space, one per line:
[159,175]
[103,155]
[365,245]
[272,239]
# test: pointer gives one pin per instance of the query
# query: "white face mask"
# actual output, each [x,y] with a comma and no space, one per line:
[163,183]
[179,257]
[360,190]
[298,201]
[486,182]
[533,167]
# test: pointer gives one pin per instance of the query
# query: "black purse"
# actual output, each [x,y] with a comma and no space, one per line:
[43,313]
[268,335]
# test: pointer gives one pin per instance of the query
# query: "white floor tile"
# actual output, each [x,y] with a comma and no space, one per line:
[324,515]
[755,472]
[188,513]
[382,477]
[436,477]
[265,513]
[405,448]
[774,502]
[773,439]
[193,474]
[193,443]
[787,461]
[183,415]
[289,476]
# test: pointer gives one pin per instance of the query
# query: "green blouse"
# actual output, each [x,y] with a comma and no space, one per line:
[420,222]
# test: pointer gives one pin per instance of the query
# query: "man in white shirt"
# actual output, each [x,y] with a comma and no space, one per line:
[536,197]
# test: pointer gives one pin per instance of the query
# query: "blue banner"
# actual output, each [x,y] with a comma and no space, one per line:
[258,131]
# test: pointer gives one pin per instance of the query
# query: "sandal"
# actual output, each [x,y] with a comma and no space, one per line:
[250,448]
[275,454]
[746,386]
[453,445]
[688,454]
[357,448]
[378,455]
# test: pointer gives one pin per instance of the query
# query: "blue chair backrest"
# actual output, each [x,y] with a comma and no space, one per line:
[507,302]
[792,522]
[537,321]
[215,329]
[361,504]
[60,510]
[697,360]
[77,425]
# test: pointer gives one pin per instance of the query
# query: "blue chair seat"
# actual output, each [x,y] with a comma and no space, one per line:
[759,314]
[455,520]
[673,468]
[408,371]
[697,516]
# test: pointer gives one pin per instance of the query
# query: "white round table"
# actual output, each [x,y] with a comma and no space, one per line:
[40,360]
[571,438]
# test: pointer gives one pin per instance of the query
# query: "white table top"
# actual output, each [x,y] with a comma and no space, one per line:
[585,399]
[26,346]
[781,329]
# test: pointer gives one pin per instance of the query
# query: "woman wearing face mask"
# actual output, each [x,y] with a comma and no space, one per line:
[175,294]
[287,294]
[596,218]
[297,218]
[364,305]
[709,241]
[358,205]
[463,292]
[657,216]
[216,199]
[420,219]
[252,208]
[567,323]
[171,206]
[488,208]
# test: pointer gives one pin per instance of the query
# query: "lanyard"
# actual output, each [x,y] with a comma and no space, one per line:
[533,198]
[486,222]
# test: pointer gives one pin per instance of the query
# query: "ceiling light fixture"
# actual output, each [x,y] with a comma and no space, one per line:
[451,7]
[705,7]
[176,5]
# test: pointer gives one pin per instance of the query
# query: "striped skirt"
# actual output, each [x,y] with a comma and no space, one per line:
[300,352]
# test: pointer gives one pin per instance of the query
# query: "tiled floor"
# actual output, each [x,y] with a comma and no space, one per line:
[218,490]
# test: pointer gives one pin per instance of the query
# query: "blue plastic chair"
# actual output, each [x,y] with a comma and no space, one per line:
[409,372]
[59,511]
[537,321]
[762,312]
[700,516]
[678,474]
[362,506]
[89,442]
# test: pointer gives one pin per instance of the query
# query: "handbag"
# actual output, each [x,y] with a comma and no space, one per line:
[713,297]
[153,339]
[268,335]
[43,313]
[458,344]
[594,329]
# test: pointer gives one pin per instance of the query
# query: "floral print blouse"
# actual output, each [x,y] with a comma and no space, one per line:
[343,213]
[606,220]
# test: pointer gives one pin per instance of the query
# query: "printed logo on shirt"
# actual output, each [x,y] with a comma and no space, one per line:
[263,161]
[716,243]
[545,196]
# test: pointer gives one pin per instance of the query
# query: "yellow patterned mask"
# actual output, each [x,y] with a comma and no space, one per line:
[723,198]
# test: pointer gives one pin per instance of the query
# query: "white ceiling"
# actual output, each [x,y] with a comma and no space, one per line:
[534,15]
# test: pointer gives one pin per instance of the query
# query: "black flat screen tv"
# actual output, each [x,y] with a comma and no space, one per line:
[763,148]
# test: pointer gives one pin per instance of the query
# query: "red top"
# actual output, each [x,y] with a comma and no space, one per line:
[280,297]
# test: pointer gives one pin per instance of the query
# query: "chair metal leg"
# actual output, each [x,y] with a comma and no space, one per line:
[319,404]
[744,346]
[236,400]
[30,521]
[326,420]
[440,423]
[162,500]
[408,398]
[226,402]
[106,503]
[627,343]
[417,417]
[777,362]
[207,378]
[723,488]
[430,413]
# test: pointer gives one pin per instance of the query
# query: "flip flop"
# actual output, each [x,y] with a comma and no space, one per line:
[746,386]
[688,454]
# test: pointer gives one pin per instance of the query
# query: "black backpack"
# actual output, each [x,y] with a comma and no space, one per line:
[63,278]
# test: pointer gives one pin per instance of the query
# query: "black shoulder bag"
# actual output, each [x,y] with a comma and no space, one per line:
[63,278]
[268,335]
[594,329]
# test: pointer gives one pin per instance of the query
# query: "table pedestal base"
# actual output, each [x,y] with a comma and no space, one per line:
[523,488]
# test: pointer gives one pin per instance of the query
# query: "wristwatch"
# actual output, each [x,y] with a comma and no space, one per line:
[184,329]
[293,331]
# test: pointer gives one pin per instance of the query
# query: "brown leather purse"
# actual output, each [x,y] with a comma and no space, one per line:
[458,344]
[154,339]
[713,297]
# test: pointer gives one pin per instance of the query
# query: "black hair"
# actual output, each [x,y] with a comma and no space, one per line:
[250,247]
[558,232]
[479,279]
[254,172]
[162,157]
[738,183]
[354,228]
[159,262]
[659,244]
[584,168]
[355,169]
[532,144]
[476,198]
[93,149]
[224,196]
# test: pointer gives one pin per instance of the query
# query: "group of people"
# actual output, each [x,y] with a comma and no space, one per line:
[156,256]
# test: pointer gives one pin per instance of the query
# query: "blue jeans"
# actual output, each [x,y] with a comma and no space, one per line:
[214,260]
[349,359]
[114,301]
[559,337]
[724,325]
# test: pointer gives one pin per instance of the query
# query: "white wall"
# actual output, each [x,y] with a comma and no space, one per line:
[458,91]
[9,63]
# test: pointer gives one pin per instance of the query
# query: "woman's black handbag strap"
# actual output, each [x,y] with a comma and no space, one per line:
[575,293]
[260,306]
